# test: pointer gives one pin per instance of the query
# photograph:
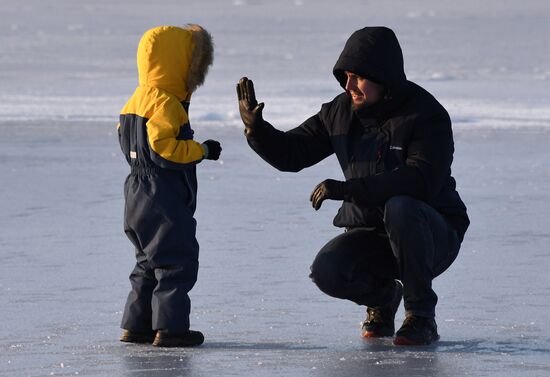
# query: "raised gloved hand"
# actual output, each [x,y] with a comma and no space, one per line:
[212,149]
[328,189]
[251,111]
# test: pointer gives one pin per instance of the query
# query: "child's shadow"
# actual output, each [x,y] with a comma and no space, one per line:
[264,346]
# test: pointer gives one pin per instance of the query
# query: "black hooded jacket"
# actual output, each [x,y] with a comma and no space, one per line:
[402,145]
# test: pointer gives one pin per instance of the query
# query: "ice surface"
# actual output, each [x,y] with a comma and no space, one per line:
[66,69]
[65,262]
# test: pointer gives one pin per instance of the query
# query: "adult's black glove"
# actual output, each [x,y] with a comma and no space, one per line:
[328,189]
[251,111]
[212,149]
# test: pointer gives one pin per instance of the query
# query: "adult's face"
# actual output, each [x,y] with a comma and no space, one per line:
[363,91]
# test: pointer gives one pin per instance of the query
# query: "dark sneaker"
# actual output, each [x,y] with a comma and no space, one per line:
[380,319]
[189,339]
[416,331]
[137,337]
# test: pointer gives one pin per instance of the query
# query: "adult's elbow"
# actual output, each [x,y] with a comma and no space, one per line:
[284,166]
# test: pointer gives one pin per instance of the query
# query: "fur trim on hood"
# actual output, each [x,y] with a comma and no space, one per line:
[203,56]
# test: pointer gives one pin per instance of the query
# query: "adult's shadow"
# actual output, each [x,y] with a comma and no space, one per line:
[497,347]
[379,357]
[442,358]
[467,346]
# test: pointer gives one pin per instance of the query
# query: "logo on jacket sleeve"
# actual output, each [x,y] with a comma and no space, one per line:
[395,148]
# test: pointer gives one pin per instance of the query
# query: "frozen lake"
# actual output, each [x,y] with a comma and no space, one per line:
[67,67]
[65,263]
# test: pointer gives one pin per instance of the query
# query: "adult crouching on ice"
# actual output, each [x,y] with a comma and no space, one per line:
[403,218]
[160,191]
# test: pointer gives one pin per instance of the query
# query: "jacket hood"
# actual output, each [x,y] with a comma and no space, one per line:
[174,59]
[373,53]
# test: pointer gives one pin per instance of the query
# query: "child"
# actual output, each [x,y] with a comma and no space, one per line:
[160,192]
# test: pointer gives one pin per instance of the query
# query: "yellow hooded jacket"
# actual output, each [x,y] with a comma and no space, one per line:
[154,123]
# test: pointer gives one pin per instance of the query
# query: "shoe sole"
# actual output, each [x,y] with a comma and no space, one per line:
[175,344]
[139,340]
[161,341]
[403,341]
[374,334]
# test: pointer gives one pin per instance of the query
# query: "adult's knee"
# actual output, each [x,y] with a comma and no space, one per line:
[325,273]
[402,211]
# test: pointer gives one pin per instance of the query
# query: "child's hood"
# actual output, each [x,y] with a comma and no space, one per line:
[174,59]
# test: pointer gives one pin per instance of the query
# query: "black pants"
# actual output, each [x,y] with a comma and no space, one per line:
[416,245]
